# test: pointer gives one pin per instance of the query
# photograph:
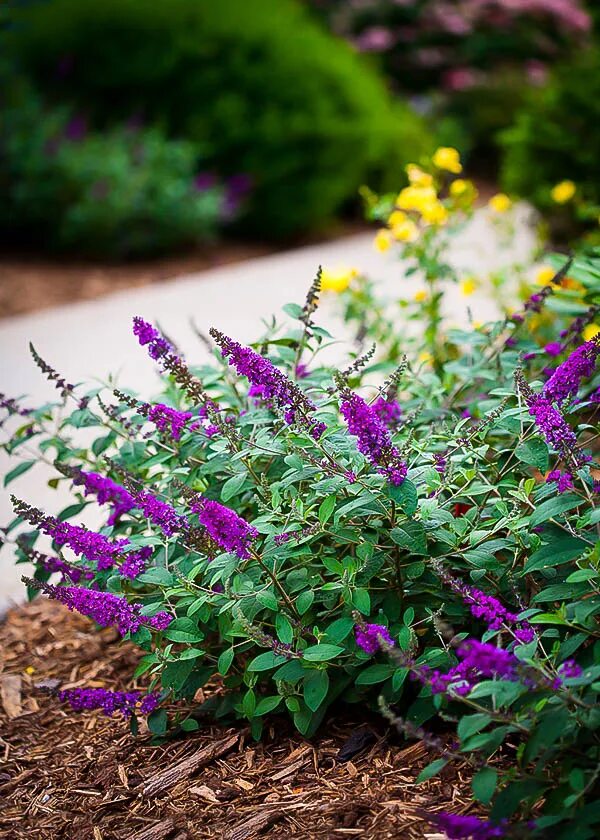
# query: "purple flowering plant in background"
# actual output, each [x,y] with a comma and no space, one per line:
[296,532]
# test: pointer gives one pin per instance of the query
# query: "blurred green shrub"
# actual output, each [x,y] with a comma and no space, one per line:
[263,88]
[122,193]
[557,136]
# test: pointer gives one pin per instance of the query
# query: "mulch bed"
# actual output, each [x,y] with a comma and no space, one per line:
[84,777]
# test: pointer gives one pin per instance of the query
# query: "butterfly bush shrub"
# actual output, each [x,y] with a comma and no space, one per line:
[415,527]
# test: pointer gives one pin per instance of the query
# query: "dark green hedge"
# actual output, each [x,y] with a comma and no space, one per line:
[557,134]
[260,85]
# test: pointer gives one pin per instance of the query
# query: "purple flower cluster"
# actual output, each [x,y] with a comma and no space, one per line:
[374,440]
[225,527]
[388,410]
[565,380]
[551,423]
[370,636]
[147,335]
[488,608]
[160,513]
[168,420]
[270,385]
[554,349]
[125,702]
[459,827]
[106,609]
[564,480]
[68,571]
[107,492]
[569,670]
[478,661]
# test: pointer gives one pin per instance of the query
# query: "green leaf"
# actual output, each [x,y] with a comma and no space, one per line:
[322,652]
[268,600]
[340,629]
[189,725]
[471,724]
[101,444]
[157,722]
[326,508]
[285,632]
[432,770]
[316,686]
[17,471]
[158,575]
[553,507]
[71,510]
[535,453]
[374,674]
[174,674]
[405,495]
[291,672]
[554,553]
[232,486]
[183,630]
[249,703]
[294,310]
[410,535]
[267,704]
[484,784]
[224,661]
[304,601]
[362,601]
[266,661]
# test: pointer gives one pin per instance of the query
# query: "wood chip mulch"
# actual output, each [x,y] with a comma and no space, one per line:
[84,777]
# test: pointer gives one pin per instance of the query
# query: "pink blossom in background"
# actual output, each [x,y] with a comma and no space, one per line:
[460,78]
[537,72]
[375,39]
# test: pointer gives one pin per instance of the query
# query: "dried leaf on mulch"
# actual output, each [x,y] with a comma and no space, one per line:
[84,777]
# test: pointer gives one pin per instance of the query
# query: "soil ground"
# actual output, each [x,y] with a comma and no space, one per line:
[84,777]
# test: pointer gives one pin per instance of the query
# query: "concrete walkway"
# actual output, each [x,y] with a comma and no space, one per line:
[88,341]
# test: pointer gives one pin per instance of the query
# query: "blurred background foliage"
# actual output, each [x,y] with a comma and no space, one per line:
[132,127]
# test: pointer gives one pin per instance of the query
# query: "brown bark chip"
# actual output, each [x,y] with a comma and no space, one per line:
[83,776]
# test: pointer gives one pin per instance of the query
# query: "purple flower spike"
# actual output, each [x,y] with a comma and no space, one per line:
[169,420]
[125,702]
[225,527]
[387,410]
[551,423]
[158,346]
[104,608]
[106,492]
[160,513]
[564,480]
[374,440]
[370,636]
[270,385]
[458,827]
[565,380]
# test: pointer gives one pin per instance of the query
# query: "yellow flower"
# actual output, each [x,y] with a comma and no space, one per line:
[417,177]
[500,203]
[405,231]
[415,198]
[420,296]
[382,240]
[397,217]
[30,670]
[459,187]
[434,213]
[545,275]
[337,280]
[563,192]
[477,325]
[425,357]
[468,286]
[447,158]
[590,331]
